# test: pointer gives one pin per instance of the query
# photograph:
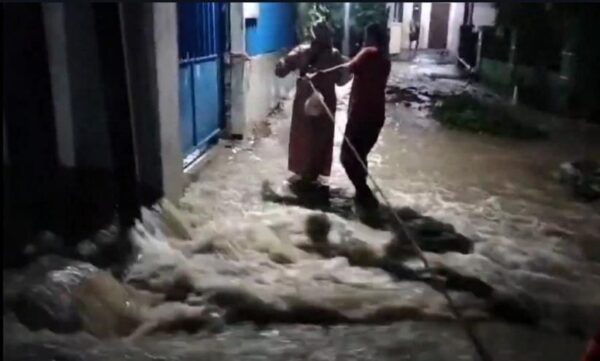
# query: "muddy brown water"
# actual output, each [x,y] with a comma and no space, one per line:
[532,239]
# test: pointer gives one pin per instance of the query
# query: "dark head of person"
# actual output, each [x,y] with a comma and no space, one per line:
[322,36]
[322,40]
[376,36]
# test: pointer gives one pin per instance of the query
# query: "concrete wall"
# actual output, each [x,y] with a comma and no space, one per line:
[262,88]
[484,14]
[150,37]
[455,20]
[165,38]
[255,89]
[236,123]
[81,120]
[137,22]
[406,16]
[273,29]
[401,35]
[425,19]
[395,45]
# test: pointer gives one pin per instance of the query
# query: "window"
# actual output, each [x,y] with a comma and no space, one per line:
[398,12]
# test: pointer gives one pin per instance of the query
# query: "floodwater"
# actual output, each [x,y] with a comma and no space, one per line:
[532,242]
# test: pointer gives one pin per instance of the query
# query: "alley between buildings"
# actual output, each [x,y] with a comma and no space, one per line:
[520,256]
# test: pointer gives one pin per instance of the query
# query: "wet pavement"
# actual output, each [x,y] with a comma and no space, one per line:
[533,244]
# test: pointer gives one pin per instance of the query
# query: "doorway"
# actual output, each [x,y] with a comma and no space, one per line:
[438,25]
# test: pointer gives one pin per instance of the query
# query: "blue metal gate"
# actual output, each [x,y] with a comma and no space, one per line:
[200,27]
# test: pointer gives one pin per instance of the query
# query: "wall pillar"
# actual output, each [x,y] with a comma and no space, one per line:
[151,53]
[236,125]
[167,75]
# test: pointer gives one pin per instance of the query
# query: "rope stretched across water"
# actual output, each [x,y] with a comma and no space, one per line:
[483,354]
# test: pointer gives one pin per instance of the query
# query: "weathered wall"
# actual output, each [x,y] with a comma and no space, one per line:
[254,87]
[401,36]
[138,38]
[236,123]
[425,19]
[484,14]
[274,29]
[455,20]
[406,16]
[262,88]
[151,50]
[396,34]
[165,38]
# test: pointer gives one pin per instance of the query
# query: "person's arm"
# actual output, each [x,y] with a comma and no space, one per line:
[290,62]
[233,56]
[352,66]
[344,66]
[343,75]
[244,56]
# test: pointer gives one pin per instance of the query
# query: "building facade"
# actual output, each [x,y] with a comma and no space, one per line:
[440,23]
[109,107]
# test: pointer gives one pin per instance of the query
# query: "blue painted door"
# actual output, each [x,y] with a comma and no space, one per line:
[200,33]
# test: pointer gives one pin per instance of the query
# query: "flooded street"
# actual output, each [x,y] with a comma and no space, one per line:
[533,244]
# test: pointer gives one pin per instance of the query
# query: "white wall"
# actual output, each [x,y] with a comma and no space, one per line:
[167,76]
[237,115]
[455,20]
[255,89]
[484,14]
[405,26]
[395,45]
[425,19]
[263,89]
[406,16]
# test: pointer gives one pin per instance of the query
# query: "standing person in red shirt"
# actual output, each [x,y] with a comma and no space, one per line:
[366,111]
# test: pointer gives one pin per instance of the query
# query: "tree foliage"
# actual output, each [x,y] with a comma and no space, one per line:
[361,14]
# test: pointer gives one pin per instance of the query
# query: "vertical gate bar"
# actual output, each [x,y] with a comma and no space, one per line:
[212,28]
[215,27]
[193,32]
[203,29]
[208,30]
[194,45]
[222,21]
[197,29]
